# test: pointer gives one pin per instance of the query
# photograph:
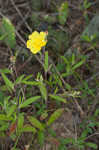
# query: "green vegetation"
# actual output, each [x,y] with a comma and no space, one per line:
[58,86]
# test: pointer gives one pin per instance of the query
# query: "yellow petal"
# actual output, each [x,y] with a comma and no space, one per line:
[34,51]
[43,35]
[34,35]
[44,43]
[28,43]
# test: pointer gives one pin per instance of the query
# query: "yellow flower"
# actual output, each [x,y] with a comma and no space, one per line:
[36,41]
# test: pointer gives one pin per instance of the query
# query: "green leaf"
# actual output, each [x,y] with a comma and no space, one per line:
[8,29]
[68,87]
[35,83]
[86,38]
[1,97]
[58,98]
[20,121]
[96,112]
[60,67]
[78,64]
[5,118]
[63,13]
[65,60]
[51,132]
[28,77]
[86,4]
[29,101]
[65,141]
[44,115]
[11,110]
[46,61]
[41,138]
[97,123]
[62,147]
[8,83]
[55,116]
[5,71]
[43,90]
[4,127]
[28,128]
[91,32]
[92,145]
[36,123]
[84,134]
[73,59]
[3,37]
[19,79]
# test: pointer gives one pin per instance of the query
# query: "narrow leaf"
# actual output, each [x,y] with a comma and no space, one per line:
[55,116]
[5,71]
[20,121]
[11,110]
[3,37]
[4,117]
[28,77]
[96,112]
[78,64]
[28,128]
[43,90]
[92,145]
[58,98]
[36,123]
[63,13]
[73,59]
[35,83]
[41,138]
[1,98]
[4,127]
[8,83]
[19,79]
[29,101]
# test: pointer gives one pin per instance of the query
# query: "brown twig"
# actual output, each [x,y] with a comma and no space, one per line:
[20,14]
[79,107]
